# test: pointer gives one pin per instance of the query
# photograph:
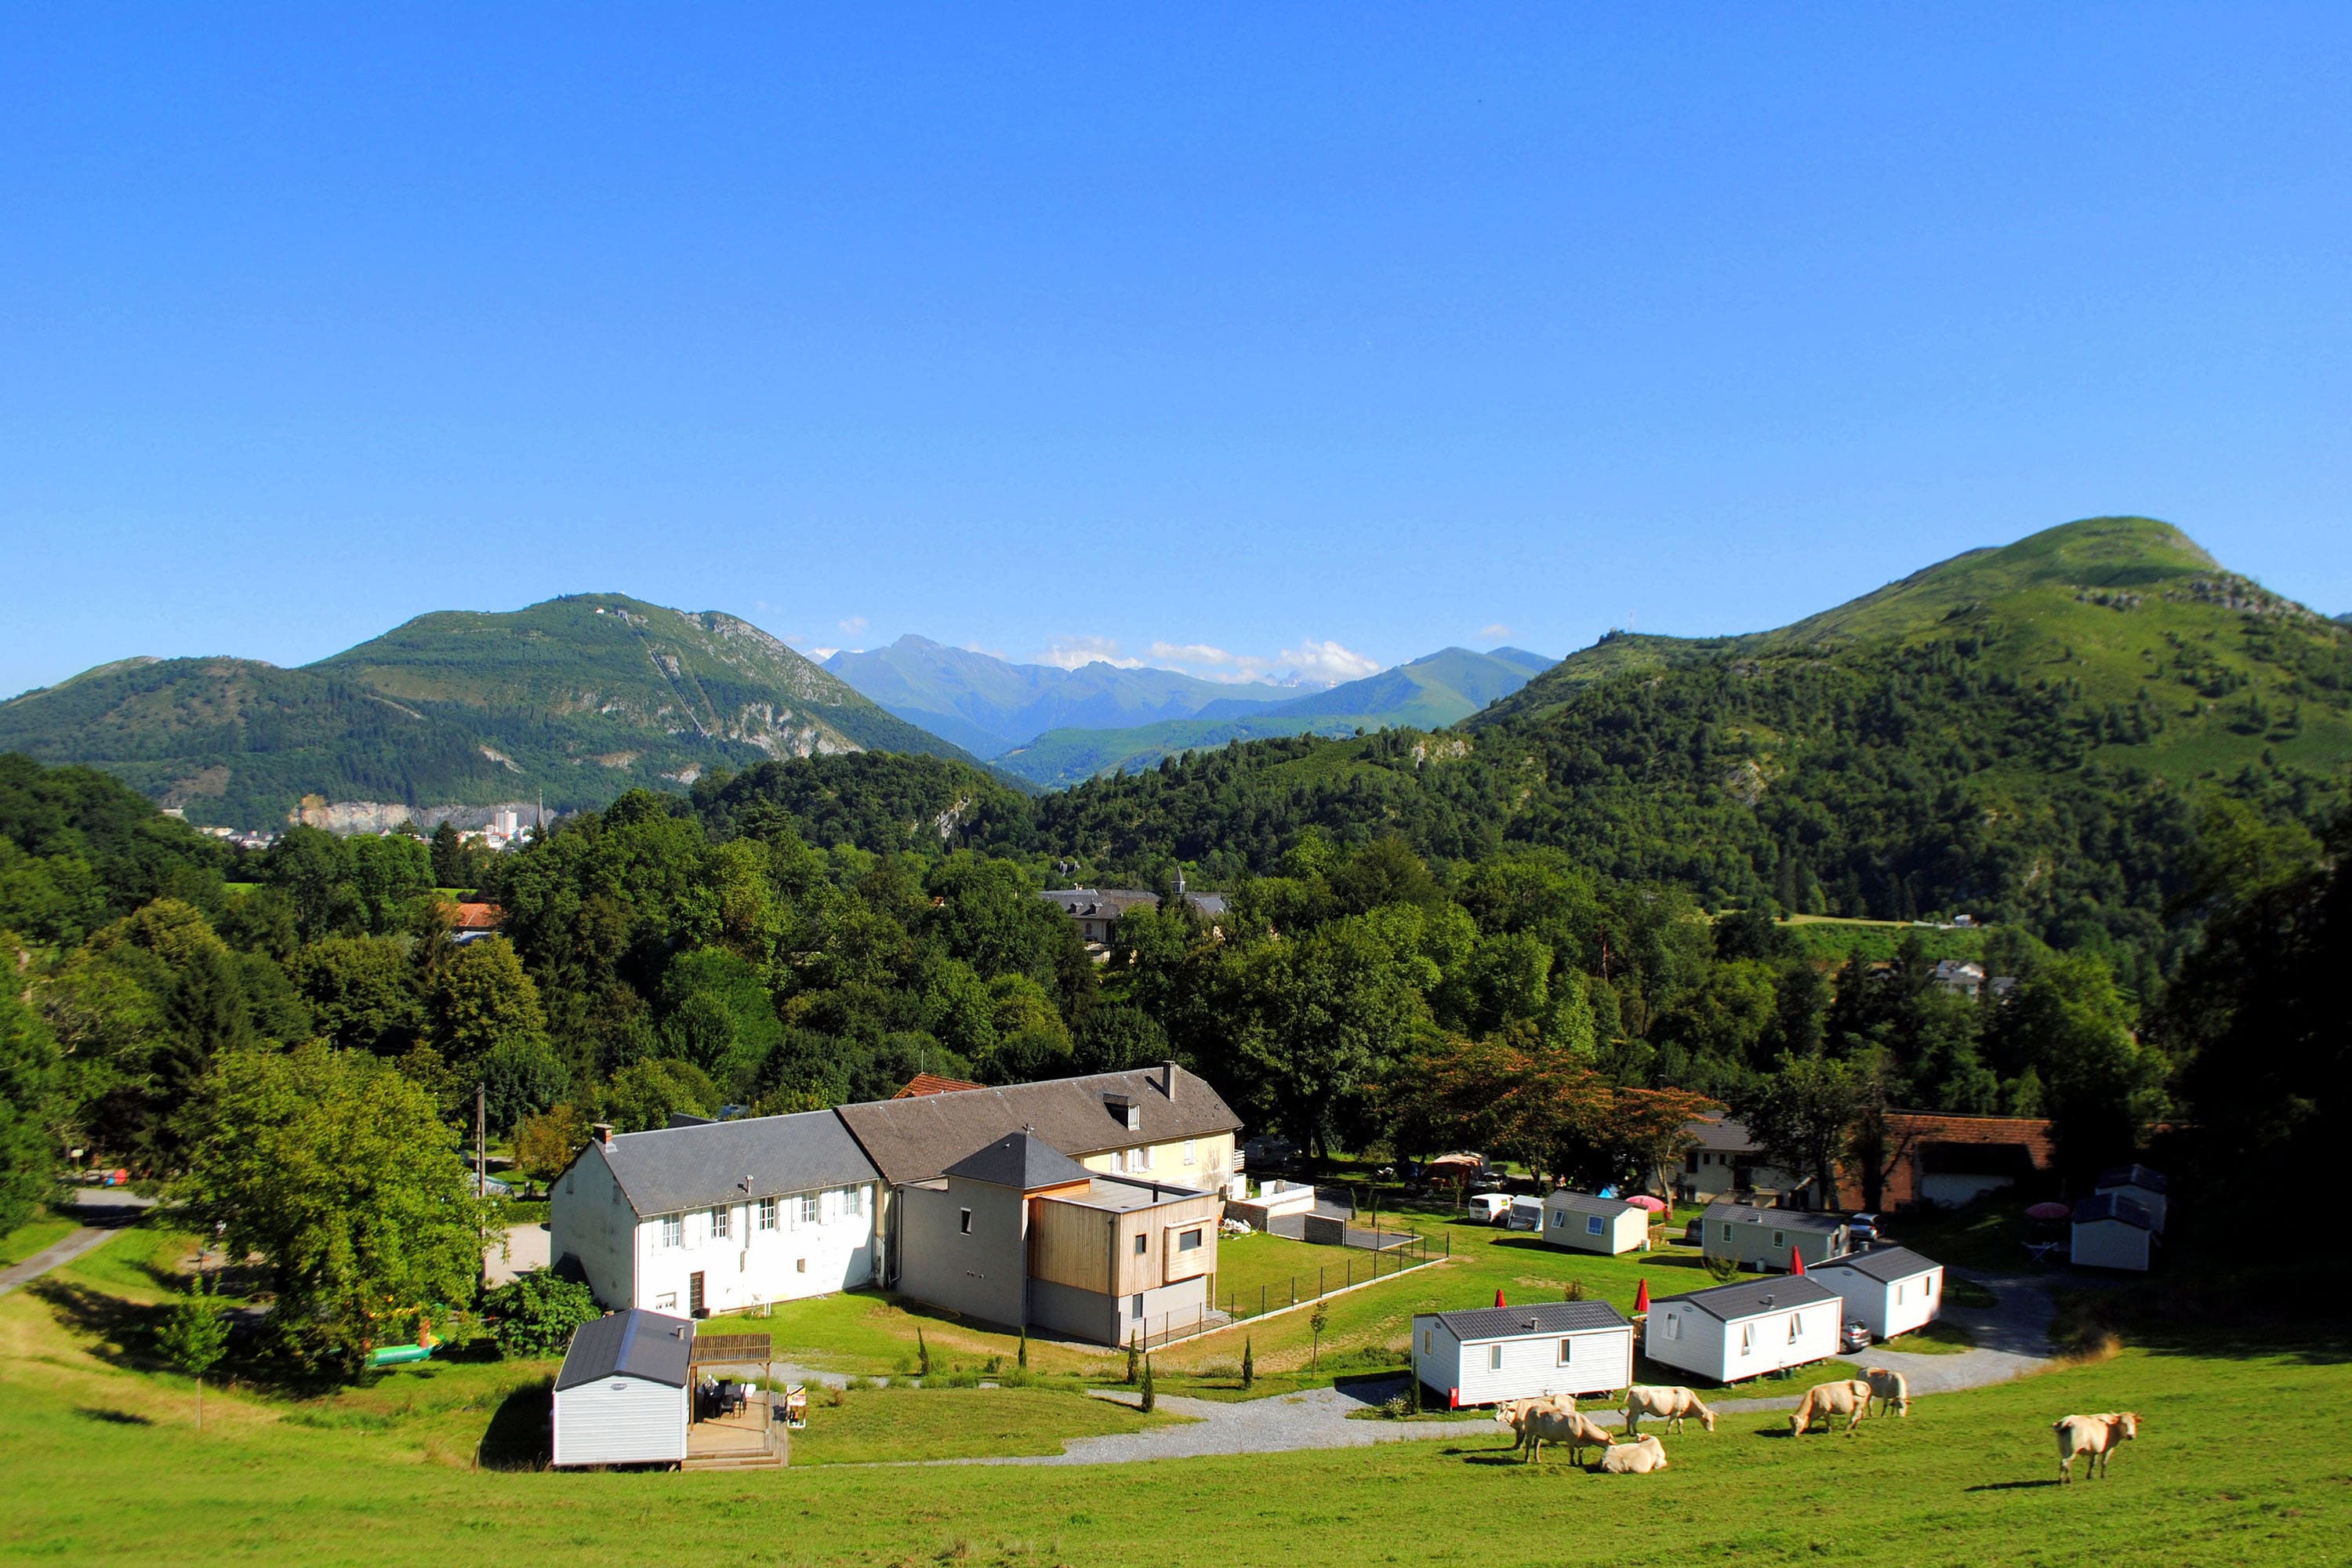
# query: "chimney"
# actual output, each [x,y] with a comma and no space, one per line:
[604,1130]
[1168,1080]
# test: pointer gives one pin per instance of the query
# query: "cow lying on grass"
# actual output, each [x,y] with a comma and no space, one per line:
[1638,1458]
[1823,1401]
[2097,1436]
[1537,1421]
[1891,1389]
[1668,1404]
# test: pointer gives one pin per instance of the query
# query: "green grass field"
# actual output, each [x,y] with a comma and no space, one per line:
[2240,1461]
[40,1231]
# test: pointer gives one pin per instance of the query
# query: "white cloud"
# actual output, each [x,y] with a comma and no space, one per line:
[1311,663]
[821,654]
[1191,653]
[1498,630]
[1329,662]
[1076,653]
[853,625]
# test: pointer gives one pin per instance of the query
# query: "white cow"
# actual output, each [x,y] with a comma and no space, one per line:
[1849,1397]
[2097,1436]
[1892,1388]
[1511,1413]
[1638,1458]
[1670,1404]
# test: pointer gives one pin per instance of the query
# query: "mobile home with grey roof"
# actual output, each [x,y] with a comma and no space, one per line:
[1583,1223]
[1890,1290]
[1487,1354]
[622,1396]
[1763,1238]
[1744,1330]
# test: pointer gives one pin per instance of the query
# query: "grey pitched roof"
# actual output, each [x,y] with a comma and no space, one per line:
[919,1138]
[2116,1206]
[1726,1135]
[2131,1176]
[1585,1202]
[1884,1264]
[1782,1219]
[1540,1318]
[1750,1298]
[680,1168]
[1022,1162]
[633,1343]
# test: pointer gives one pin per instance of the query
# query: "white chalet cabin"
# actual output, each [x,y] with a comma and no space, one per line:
[719,1216]
[1742,1331]
[1890,1290]
[2144,1186]
[1491,1354]
[621,1398]
[2114,1230]
[1583,1223]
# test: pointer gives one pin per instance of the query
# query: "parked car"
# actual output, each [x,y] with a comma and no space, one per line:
[1857,1337]
[1491,1208]
[1861,1229]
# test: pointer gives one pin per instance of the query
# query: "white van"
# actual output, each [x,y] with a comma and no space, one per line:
[1490,1208]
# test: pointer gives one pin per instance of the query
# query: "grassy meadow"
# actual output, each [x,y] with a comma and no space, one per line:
[2240,1461]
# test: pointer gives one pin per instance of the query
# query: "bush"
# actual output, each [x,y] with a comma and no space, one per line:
[537,1313]
[1398,1409]
[1723,1271]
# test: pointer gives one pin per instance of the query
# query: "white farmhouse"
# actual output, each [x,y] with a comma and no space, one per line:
[1583,1223]
[1890,1290]
[2139,1184]
[1492,1353]
[2113,1231]
[1745,1330]
[719,1216]
[622,1395]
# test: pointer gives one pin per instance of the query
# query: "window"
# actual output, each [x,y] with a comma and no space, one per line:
[666,1302]
[1746,1338]
[571,1181]
[718,1224]
[1142,1243]
[1118,1161]
[1674,1327]
[1566,1348]
[812,1208]
[1188,1150]
[767,1214]
[853,1203]
[1493,1358]
[1796,1326]
[1141,1159]
[1428,1342]
[1928,1287]
[1726,1233]
[673,1233]
[800,1265]
[1593,1225]
[1898,1295]
[1188,1241]
[1779,1239]
[1135,1307]
[966,1225]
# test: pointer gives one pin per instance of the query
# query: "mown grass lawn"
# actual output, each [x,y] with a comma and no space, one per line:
[888,1424]
[100,1463]
[41,1231]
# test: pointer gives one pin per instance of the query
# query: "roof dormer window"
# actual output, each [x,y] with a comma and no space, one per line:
[1124,1107]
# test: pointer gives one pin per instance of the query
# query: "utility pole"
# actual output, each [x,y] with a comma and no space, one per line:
[481,1156]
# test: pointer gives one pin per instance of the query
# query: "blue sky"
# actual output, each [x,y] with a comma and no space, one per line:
[1278,334]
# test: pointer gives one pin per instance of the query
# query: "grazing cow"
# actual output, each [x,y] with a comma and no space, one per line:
[1670,1404]
[1849,1398]
[2097,1436]
[1891,1388]
[1543,1425]
[1638,1458]
[1511,1413]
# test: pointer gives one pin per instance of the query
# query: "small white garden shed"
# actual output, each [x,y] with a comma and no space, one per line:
[2142,1185]
[1890,1290]
[1748,1328]
[1491,1354]
[623,1394]
[2113,1231]
[1583,1223]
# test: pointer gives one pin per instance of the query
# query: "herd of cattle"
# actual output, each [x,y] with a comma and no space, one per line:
[1554,1418]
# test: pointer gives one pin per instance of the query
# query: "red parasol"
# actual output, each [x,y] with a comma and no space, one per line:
[1498,1296]
[1644,1201]
[2048,1211]
[1796,1261]
[1641,1299]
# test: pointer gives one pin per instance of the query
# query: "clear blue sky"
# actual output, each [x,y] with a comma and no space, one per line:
[1259,329]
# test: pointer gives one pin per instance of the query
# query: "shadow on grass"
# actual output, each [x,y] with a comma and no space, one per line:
[113,1417]
[2253,1314]
[521,1432]
[125,1335]
[2010,1486]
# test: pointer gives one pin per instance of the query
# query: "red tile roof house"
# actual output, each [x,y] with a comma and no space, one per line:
[1949,1161]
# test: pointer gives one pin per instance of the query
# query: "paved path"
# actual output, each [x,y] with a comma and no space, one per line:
[103,1211]
[2012,1339]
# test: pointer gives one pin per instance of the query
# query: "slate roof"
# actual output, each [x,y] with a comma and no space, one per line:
[1542,1318]
[1022,1162]
[680,1168]
[2131,1176]
[1779,1219]
[1725,1134]
[1585,1202]
[1751,1297]
[1884,1264]
[634,1344]
[2115,1206]
[916,1139]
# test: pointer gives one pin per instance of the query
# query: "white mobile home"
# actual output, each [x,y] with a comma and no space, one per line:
[1583,1222]
[2139,1184]
[622,1394]
[1491,1354]
[2112,1231]
[1890,1290]
[719,1216]
[1763,1238]
[1743,1330]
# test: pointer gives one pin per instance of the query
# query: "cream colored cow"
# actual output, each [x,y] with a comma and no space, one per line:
[2097,1436]
[1672,1405]
[1638,1458]
[1823,1401]
[1891,1388]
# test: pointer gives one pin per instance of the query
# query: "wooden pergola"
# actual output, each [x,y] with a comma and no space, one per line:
[753,1442]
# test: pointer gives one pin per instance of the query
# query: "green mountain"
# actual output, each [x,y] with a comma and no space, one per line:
[574,700]
[2024,733]
[1428,693]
